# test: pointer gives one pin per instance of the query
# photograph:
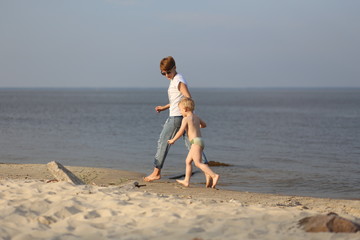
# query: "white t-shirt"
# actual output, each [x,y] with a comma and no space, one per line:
[175,95]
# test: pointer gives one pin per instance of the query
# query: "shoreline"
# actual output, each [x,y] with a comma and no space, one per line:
[109,206]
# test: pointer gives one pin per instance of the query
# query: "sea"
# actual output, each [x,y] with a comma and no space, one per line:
[293,141]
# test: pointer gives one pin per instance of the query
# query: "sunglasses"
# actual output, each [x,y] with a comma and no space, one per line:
[167,72]
[164,73]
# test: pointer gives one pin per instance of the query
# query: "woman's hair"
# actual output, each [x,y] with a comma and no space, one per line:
[188,103]
[166,64]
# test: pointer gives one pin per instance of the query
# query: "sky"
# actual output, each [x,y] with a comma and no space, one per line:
[227,43]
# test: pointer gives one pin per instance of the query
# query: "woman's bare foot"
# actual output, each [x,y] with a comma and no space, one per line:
[215,180]
[151,178]
[155,175]
[183,182]
[208,181]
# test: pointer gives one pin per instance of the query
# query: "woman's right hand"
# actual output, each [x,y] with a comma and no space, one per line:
[159,109]
[162,108]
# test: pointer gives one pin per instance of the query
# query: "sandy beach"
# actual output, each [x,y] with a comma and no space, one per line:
[110,206]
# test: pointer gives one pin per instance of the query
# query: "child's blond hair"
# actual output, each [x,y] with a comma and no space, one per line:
[188,103]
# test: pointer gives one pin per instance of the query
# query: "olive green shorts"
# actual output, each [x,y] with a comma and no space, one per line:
[198,141]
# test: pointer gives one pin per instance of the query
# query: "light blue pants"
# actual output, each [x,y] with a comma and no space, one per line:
[170,128]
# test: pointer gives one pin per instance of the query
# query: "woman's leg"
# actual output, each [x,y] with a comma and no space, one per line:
[170,128]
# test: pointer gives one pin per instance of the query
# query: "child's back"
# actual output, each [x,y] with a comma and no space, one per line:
[193,126]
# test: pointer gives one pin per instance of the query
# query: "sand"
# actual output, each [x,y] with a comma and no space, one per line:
[111,207]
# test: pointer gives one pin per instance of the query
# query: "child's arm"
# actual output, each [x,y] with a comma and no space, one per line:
[180,132]
[202,123]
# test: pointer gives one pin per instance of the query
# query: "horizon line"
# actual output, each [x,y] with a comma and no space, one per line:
[265,87]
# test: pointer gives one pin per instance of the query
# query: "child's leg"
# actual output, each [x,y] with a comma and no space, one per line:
[204,160]
[196,151]
[188,146]
[208,180]
[188,171]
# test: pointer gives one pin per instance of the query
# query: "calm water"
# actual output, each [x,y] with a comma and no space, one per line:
[287,141]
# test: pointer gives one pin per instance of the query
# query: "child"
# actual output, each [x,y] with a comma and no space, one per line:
[191,123]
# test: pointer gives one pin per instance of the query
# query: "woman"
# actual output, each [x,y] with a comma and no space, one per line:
[176,91]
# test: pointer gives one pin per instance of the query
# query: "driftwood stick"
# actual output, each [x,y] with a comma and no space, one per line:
[63,174]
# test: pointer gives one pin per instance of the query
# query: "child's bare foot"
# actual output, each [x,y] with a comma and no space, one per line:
[152,177]
[183,182]
[208,180]
[215,180]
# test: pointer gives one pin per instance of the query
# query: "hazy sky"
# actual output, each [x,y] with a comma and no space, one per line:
[235,43]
